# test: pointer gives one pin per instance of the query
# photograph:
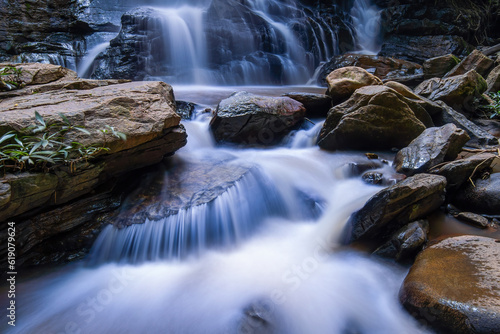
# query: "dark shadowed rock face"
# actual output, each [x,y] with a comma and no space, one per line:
[437,67]
[391,208]
[432,147]
[476,61]
[482,197]
[249,119]
[454,286]
[317,105]
[375,117]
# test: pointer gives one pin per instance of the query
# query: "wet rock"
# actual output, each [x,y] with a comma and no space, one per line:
[454,286]
[381,67]
[459,171]
[380,178]
[418,49]
[406,242]
[493,80]
[473,219]
[358,168]
[317,105]
[375,117]
[344,81]
[185,109]
[393,207]
[437,67]
[476,61]
[249,119]
[482,197]
[456,91]
[432,147]
[479,138]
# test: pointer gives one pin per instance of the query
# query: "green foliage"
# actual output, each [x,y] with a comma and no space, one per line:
[10,78]
[494,107]
[46,147]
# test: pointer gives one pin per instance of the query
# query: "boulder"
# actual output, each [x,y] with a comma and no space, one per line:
[476,61]
[375,117]
[482,197]
[437,67]
[143,111]
[457,172]
[406,242]
[344,81]
[245,118]
[493,80]
[432,147]
[456,91]
[37,73]
[317,105]
[393,207]
[479,138]
[454,286]
[185,109]
[431,107]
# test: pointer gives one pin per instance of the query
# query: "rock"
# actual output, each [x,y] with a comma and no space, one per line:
[144,111]
[245,118]
[420,48]
[473,219]
[379,178]
[382,67]
[375,117]
[432,147]
[483,197]
[456,91]
[185,109]
[459,171]
[180,185]
[431,107]
[479,138]
[359,168]
[406,242]
[437,67]
[317,105]
[476,61]
[393,207]
[454,286]
[493,80]
[344,81]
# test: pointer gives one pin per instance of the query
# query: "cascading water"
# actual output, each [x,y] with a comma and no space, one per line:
[271,264]
[224,42]
[366,23]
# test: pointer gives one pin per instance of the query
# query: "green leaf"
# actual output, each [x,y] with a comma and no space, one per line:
[40,119]
[82,130]
[7,136]
[64,118]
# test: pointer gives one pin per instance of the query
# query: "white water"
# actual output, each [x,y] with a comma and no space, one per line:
[366,22]
[84,68]
[285,274]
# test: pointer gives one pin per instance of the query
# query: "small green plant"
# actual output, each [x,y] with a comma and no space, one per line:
[494,106]
[10,78]
[46,147]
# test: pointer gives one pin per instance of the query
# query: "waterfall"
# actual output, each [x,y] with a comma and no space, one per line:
[366,23]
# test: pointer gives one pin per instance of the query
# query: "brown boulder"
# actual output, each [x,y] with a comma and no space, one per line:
[476,61]
[481,197]
[375,117]
[493,80]
[344,81]
[37,73]
[437,67]
[454,286]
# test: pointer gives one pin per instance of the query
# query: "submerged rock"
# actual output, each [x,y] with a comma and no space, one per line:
[249,119]
[344,81]
[375,117]
[393,207]
[454,286]
[473,219]
[432,147]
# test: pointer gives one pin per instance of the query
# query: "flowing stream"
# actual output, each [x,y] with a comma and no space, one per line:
[262,257]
